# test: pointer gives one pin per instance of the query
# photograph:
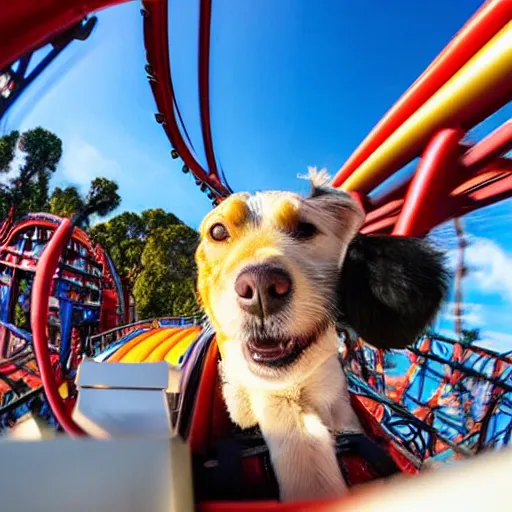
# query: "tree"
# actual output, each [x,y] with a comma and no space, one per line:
[102,199]
[7,150]
[158,218]
[123,237]
[165,285]
[156,250]
[469,336]
[28,189]
[41,151]
[65,202]
[103,195]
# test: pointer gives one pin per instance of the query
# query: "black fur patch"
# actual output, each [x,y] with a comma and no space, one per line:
[391,288]
[321,191]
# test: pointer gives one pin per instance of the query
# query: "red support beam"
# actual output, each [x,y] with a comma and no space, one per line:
[494,145]
[156,40]
[493,187]
[483,188]
[392,207]
[383,226]
[390,195]
[475,159]
[493,192]
[26,25]
[205,16]
[431,182]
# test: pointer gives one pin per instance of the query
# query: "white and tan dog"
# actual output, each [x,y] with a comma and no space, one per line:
[274,276]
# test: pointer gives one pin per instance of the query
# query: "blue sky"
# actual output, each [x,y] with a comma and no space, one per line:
[293,83]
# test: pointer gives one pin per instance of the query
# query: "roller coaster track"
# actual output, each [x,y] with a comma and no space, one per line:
[156,39]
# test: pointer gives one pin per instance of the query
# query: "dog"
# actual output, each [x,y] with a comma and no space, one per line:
[276,271]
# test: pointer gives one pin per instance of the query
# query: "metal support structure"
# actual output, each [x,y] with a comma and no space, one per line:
[14,82]
[156,38]
[431,182]
[30,24]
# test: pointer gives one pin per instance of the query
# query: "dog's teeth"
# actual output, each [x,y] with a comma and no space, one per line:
[256,356]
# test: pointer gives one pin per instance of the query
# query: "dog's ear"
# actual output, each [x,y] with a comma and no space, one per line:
[342,210]
[391,288]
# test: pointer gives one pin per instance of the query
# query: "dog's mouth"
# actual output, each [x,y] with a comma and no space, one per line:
[276,352]
[279,351]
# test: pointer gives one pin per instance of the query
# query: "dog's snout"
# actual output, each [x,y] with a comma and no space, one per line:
[263,290]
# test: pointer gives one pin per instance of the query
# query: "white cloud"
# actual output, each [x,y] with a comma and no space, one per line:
[490,267]
[494,340]
[82,162]
[471,313]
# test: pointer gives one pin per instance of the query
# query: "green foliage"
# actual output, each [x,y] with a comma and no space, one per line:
[157,251]
[165,285]
[123,237]
[42,151]
[101,199]
[28,190]
[469,336]
[66,202]
[103,196]
[7,149]
[20,317]
[158,218]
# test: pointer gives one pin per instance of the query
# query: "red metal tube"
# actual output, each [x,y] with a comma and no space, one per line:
[479,162]
[156,39]
[385,210]
[430,183]
[480,29]
[28,24]
[396,192]
[205,17]
[383,226]
[482,188]
[45,271]
[495,144]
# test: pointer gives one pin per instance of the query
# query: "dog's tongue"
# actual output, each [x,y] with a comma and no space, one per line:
[270,350]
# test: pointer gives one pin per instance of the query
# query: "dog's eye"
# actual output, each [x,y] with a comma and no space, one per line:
[218,232]
[305,230]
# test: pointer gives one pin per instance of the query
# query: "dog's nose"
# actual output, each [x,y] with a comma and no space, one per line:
[263,290]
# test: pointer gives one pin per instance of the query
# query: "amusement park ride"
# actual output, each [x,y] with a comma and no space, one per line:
[62,302]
